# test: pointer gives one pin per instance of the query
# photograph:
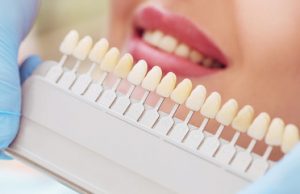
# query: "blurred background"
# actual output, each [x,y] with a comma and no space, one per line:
[55,19]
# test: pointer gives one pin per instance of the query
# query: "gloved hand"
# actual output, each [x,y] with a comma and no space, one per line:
[283,178]
[16,18]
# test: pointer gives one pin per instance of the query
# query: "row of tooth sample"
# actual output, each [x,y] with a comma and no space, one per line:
[274,132]
[170,44]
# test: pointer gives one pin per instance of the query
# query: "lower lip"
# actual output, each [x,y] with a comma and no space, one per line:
[168,62]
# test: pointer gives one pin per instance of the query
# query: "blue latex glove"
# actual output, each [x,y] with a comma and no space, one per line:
[283,178]
[16,18]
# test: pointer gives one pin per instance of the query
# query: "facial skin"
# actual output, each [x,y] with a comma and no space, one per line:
[260,39]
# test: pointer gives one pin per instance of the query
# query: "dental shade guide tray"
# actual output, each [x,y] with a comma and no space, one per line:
[97,140]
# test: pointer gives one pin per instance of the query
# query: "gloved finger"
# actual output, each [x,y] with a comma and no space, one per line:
[4,156]
[28,66]
[282,178]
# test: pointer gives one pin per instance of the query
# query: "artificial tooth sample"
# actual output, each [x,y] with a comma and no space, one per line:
[164,90]
[240,123]
[196,57]
[167,85]
[152,78]
[227,112]
[83,48]
[98,51]
[138,72]
[275,132]
[211,106]
[182,50]
[110,60]
[194,103]
[224,117]
[182,91]
[243,119]
[66,47]
[168,43]
[96,55]
[124,66]
[179,96]
[69,43]
[80,52]
[197,98]
[149,83]
[259,126]
[290,138]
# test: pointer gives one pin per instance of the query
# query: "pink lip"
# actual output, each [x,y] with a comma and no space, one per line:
[150,18]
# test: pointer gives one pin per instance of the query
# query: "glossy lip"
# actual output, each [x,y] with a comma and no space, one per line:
[151,17]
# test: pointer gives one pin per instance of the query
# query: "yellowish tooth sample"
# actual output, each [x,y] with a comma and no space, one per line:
[196,57]
[275,132]
[197,98]
[138,72]
[290,138]
[243,119]
[83,48]
[182,91]
[211,105]
[99,50]
[259,126]
[69,43]
[227,112]
[166,85]
[168,43]
[110,60]
[182,50]
[124,66]
[152,78]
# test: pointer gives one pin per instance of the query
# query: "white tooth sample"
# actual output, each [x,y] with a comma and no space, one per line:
[152,78]
[182,50]
[211,105]
[83,48]
[168,43]
[69,43]
[207,62]
[227,112]
[197,98]
[124,66]
[99,50]
[275,132]
[153,38]
[110,60]
[259,126]
[243,119]
[182,91]
[290,138]
[195,56]
[166,85]
[138,72]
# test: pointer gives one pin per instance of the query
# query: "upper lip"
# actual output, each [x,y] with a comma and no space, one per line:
[152,18]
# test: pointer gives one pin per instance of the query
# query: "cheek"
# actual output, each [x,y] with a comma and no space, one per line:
[268,30]
[121,12]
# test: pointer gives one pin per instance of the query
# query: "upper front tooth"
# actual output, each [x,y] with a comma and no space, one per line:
[168,43]
[182,50]
[196,57]
[154,37]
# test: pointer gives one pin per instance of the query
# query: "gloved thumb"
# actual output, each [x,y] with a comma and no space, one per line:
[28,66]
